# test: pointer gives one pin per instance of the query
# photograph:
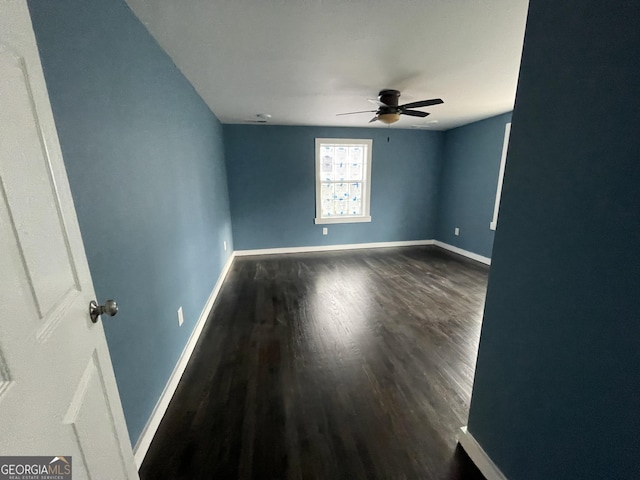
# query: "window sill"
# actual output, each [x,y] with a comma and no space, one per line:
[322,221]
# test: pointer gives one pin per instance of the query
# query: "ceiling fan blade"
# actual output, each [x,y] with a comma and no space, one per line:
[422,103]
[373,119]
[352,113]
[377,102]
[414,113]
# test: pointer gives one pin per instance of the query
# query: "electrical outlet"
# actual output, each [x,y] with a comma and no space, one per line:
[224,244]
[325,230]
[180,317]
[456,231]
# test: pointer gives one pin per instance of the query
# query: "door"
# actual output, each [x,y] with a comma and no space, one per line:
[58,395]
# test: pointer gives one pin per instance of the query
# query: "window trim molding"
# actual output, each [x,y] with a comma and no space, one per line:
[366,204]
[321,221]
[503,161]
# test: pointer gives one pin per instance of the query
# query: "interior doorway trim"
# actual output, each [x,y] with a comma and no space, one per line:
[479,456]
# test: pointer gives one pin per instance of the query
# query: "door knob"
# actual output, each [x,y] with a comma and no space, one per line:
[110,307]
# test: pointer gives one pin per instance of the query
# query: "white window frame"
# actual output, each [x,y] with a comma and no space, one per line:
[366,175]
[503,162]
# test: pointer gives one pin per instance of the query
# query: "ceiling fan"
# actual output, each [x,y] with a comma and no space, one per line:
[389,111]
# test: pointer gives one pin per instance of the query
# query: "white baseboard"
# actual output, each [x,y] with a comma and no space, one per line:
[144,441]
[327,248]
[464,253]
[479,456]
[355,246]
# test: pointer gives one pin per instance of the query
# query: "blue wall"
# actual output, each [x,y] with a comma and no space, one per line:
[272,186]
[145,161]
[557,388]
[469,182]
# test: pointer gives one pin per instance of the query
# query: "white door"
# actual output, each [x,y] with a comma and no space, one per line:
[58,395]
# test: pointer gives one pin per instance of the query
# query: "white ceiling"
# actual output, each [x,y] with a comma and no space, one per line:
[303,61]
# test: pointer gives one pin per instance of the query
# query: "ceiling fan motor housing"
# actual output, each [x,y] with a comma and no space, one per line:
[389,97]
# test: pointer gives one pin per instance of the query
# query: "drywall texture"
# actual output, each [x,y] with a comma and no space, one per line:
[146,166]
[272,186]
[556,387]
[469,182]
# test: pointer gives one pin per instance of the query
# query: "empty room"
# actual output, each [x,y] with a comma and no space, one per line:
[319,239]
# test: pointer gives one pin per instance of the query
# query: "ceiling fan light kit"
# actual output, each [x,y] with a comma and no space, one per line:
[389,111]
[387,118]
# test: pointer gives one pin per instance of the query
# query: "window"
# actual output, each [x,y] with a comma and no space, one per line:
[503,161]
[343,180]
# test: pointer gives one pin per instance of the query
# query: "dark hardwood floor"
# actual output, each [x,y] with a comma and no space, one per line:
[338,365]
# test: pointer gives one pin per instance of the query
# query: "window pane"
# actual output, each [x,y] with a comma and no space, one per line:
[341,191]
[355,190]
[355,171]
[341,206]
[355,199]
[327,154]
[355,207]
[328,207]
[326,191]
[356,154]
[340,163]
